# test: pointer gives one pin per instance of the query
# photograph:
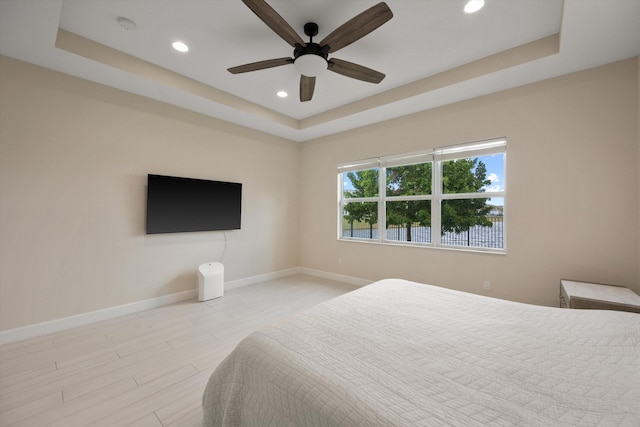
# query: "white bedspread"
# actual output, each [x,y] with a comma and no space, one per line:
[397,353]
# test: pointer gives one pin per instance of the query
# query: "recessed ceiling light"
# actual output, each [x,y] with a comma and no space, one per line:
[282,94]
[473,6]
[180,46]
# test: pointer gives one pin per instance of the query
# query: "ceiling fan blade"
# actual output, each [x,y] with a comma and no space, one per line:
[355,71]
[358,27]
[260,65]
[274,21]
[307,84]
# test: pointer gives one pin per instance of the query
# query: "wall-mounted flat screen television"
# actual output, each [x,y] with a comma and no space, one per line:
[176,205]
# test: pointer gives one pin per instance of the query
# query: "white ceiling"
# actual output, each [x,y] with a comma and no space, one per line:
[417,50]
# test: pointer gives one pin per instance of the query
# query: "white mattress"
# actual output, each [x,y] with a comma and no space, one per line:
[398,353]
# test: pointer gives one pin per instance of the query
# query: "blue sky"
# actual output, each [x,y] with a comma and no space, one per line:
[495,172]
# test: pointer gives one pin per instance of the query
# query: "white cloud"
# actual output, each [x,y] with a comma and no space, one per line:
[493,188]
[493,177]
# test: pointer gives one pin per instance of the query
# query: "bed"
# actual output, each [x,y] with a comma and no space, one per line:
[399,353]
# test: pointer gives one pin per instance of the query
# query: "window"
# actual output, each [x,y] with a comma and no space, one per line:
[360,194]
[446,197]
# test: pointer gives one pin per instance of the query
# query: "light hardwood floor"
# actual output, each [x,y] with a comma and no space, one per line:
[144,369]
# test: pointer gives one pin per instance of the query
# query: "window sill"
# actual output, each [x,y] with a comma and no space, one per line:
[427,246]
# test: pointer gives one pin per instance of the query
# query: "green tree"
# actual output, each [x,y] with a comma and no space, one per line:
[365,184]
[458,176]
[464,176]
[410,180]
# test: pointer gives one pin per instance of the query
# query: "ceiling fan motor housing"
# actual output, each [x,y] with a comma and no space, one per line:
[311,49]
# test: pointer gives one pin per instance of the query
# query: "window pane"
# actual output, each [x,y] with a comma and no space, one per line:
[362,183]
[409,180]
[409,221]
[473,223]
[360,220]
[473,175]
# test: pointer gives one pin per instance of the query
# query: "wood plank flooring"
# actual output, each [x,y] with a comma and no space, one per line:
[144,369]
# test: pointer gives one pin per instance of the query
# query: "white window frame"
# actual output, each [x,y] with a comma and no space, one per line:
[342,201]
[436,156]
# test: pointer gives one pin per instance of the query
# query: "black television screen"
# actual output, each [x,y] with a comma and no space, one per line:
[177,204]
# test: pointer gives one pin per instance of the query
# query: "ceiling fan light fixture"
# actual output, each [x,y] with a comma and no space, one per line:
[311,65]
[473,6]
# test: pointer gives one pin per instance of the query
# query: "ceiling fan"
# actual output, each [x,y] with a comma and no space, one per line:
[312,58]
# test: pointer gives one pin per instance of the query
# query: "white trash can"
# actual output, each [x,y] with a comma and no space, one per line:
[210,281]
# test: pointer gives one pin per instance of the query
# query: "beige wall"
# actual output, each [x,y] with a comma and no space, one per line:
[74,158]
[573,189]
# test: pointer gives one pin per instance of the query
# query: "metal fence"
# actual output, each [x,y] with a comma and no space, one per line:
[476,236]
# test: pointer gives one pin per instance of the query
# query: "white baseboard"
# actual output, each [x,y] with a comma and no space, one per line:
[44,328]
[39,329]
[334,276]
[259,278]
